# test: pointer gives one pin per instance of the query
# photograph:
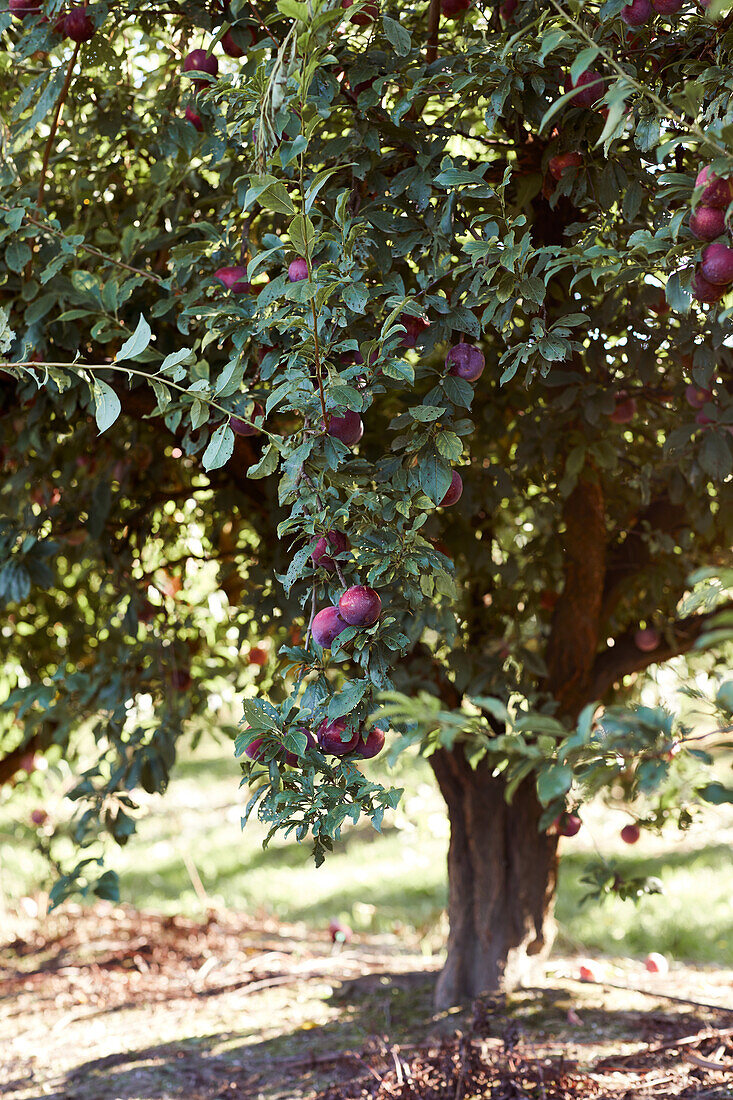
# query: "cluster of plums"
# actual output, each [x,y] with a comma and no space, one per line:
[638,12]
[463,361]
[359,605]
[329,739]
[714,274]
[74,22]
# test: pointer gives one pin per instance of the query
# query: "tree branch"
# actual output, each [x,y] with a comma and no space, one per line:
[576,622]
[624,657]
[55,123]
[83,247]
[433,24]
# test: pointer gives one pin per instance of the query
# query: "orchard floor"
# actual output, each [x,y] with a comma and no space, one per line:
[108,1003]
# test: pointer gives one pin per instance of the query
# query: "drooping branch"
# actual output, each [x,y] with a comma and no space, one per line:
[624,657]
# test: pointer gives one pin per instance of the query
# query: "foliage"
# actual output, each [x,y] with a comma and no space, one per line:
[147,545]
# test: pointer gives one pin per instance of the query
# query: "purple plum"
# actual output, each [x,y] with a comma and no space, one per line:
[327,625]
[360,605]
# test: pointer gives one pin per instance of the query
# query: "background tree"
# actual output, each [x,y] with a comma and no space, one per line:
[432,279]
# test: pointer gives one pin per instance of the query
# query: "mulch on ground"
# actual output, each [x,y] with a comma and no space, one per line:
[104,1002]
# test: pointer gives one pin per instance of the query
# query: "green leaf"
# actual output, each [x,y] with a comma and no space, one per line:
[17,255]
[199,414]
[449,445]
[458,390]
[715,455]
[616,113]
[348,698]
[175,358]
[356,296]
[276,198]
[397,35]
[137,343]
[220,448]
[583,61]
[554,782]
[302,235]
[435,476]
[317,183]
[716,794]
[107,404]
[427,413]
[267,464]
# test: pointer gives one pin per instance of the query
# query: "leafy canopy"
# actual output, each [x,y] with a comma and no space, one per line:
[418,165]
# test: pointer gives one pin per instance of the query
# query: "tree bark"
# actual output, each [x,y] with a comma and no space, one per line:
[501,872]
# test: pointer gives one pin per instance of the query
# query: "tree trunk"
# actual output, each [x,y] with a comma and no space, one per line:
[501,875]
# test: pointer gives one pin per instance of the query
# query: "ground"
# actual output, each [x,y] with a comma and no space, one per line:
[221,983]
[108,1003]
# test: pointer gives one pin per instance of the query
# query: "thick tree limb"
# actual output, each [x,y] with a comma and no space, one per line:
[576,623]
[624,657]
[631,555]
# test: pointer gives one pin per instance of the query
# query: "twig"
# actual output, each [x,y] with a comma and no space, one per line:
[671,1044]
[195,877]
[655,993]
[313,614]
[433,23]
[77,368]
[55,123]
[705,1063]
[83,247]
[264,26]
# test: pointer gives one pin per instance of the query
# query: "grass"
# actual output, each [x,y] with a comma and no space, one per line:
[389,883]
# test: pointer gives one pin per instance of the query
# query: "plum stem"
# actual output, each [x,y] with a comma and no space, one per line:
[317,351]
[55,123]
[313,614]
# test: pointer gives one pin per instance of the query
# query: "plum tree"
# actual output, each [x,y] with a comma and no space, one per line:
[563,162]
[194,473]
[298,270]
[587,89]
[454,491]
[717,263]
[201,61]
[349,427]
[568,824]
[194,118]
[331,738]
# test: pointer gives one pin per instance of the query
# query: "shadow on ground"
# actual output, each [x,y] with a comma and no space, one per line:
[374,1012]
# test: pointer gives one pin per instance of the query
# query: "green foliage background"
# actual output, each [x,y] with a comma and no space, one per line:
[407,161]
